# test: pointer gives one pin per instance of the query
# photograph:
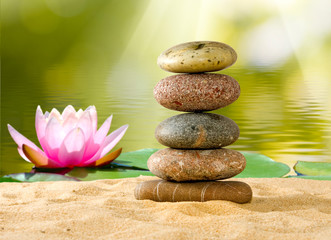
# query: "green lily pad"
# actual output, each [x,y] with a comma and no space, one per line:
[39,177]
[134,164]
[258,165]
[313,168]
[261,166]
[312,177]
[88,174]
[137,158]
[8,179]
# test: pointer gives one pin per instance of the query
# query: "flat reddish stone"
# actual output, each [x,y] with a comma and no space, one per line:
[196,165]
[196,92]
[164,191]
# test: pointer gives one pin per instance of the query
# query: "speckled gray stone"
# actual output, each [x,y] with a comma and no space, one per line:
[194,57]
[165,191]
[196,165]
[196,92]
[197,131]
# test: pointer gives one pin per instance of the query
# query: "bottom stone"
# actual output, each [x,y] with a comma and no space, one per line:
[164,191]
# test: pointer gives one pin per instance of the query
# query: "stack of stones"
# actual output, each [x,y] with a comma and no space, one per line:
[196,158]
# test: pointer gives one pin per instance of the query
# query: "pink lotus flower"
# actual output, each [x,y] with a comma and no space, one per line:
[70,139]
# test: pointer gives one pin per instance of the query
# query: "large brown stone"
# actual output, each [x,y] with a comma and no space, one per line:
[196,92]
[164,191]
[196,165]
[194,57]
[197,131]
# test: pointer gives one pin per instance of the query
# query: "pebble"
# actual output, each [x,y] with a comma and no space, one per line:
[196,165]
[200,56]
[197,131]
[164,191]
[196,92]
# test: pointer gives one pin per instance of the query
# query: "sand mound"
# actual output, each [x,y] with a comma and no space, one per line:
[107,209]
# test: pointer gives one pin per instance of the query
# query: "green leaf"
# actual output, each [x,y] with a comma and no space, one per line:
[313,168]
[258,165]
[88,174]
[137,158]
[312,177]
[39,177]
[8,179]
[261,166]
[132,164]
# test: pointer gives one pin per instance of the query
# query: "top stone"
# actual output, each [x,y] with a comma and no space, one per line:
[195,57]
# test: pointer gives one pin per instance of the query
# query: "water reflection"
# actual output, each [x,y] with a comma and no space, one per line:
[104,53]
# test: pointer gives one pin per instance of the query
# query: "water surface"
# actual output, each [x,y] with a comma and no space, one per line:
[105,55]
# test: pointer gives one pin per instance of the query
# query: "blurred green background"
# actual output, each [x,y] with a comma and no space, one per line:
[103,53]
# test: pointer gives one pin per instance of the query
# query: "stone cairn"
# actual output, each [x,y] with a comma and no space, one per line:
[196,158]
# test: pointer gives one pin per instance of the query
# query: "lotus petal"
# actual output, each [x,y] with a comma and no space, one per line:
[20,139]
[72,148]
[79,113]
[94,117]
[55,114]
[40,160]
[112,139]
[67,111]
[69,123]
[106,159]
[110,142]
[53,138]
[40,123]
[98,139]
[85,124]
[101,134]
[21,153]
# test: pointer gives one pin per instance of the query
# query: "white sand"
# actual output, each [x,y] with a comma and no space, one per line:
[106,209]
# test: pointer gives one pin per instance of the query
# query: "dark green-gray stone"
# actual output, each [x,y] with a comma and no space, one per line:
[197,131]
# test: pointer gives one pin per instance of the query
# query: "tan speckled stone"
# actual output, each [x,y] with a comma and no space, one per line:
[164,191]
[194,57]
[196,165]
[196,92]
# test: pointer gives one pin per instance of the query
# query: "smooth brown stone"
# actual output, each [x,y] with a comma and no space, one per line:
[199,56]
[196,165]
[196,92]
[197,131]
[164,191]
